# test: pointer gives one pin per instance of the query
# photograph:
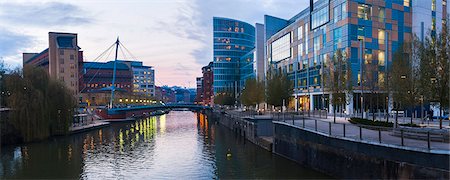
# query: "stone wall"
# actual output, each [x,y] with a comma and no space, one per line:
[346,158]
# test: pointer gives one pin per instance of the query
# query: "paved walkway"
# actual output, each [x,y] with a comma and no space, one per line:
[353,131]
[92,125]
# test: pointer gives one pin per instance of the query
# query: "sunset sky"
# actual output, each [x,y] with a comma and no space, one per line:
[173,36]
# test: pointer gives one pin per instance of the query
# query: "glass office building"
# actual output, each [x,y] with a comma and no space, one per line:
[232,40]
[300,46]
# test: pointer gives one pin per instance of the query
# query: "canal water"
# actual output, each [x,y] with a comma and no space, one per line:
[178,145]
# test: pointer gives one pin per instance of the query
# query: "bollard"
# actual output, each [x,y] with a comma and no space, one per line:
[303,122]
[344,129]
[401,134]
[428,140]
[315,124]
[360,133]
[329,128]
[379,135]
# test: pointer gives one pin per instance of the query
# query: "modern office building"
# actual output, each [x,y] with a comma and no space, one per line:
[62,59]
[131,77]
[428,16]
[232,40]
[252,64]
[97,76]
[143,78]
[360,28]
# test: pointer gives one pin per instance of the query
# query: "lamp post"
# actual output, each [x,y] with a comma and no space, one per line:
[296,83]
[361,42]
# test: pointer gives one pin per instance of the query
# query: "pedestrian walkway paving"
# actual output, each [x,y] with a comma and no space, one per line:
[385,135]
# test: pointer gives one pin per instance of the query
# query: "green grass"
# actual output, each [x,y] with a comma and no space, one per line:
[370,122]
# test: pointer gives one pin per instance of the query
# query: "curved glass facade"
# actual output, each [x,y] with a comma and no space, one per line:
[232,40]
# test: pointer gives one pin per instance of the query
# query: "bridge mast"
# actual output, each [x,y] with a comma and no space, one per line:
[113,86]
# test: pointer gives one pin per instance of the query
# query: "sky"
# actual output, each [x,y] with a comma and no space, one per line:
[173,36]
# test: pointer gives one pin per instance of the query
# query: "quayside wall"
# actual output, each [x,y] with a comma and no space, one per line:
[348,158]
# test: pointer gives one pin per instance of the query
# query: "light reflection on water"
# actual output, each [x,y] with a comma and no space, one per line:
[179,145]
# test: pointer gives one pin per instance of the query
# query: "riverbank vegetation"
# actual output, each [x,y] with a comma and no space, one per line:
[40,106]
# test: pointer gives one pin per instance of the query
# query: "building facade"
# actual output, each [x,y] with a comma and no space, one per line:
[208,88]
[62,59]
[232,39]
[143,78]
[302,45]
[429,16]
[98,76]
[199,92]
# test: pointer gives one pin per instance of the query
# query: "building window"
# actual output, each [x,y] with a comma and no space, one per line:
[381,14]
[381,78]
[61,61]
[337,38]
[72,57]
[281,48]
[306,38]
[381,36]
[340,12]
[381,57]
[361,32]
[61,52]
[433,5]
[406,3]
[300,49]
[364,11]
[368,56]
[300,32]
[319,17]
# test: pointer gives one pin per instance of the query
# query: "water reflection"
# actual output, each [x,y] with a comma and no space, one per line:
[179,145]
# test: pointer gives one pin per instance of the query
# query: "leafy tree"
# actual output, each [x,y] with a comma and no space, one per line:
[42,106]
[402,80]
[279,88]
[338,80]
[224,98]
[253,92]
[434,70]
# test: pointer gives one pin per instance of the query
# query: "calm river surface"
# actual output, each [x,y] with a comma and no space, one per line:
[179,145]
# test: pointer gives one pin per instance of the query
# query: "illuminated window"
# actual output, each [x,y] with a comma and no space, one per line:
[361,32]
[368,56]
[433,5]
[381,57]
[406,3]
[381,36]
[381,78]
[381,14]
[364,11]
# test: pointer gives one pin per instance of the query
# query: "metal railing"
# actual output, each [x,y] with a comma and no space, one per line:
[382,135]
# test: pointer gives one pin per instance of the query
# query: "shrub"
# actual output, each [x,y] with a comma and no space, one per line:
[370,122]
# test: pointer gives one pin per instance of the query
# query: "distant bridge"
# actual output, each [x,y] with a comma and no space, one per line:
[145,110]
[162,107]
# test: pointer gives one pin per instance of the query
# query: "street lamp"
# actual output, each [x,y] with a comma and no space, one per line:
[361,42]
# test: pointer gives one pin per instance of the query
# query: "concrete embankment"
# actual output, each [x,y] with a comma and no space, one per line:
[349,158]
[257,131]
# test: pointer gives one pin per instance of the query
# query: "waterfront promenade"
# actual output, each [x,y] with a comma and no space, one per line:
[378,135]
